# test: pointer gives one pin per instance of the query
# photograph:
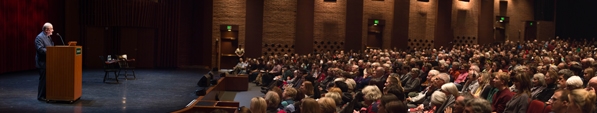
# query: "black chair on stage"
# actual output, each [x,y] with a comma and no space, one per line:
[124,65]
[109,68]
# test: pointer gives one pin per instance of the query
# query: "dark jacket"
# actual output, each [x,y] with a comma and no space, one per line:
[41,42]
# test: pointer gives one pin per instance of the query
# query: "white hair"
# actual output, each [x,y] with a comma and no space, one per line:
[46,25]
[433,72]
[574,81]
[541,78]
[371,92]
[351,83]
[451,88]
[444,76]
[475,67]
[438,98]
[339,79]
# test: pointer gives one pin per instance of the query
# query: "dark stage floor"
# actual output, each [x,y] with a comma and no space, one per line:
[154,91]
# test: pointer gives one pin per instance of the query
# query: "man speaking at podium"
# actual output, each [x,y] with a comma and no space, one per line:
[42,41]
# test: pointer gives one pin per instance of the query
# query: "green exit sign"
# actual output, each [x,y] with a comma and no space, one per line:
[375,22]
[229,28]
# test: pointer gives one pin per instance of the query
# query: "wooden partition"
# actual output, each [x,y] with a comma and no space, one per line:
[63,75]
[208,102]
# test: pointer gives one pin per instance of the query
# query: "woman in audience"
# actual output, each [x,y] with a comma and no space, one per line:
[483,81]
[582,101]
[328,105]
[396,91]
[307,88]
[503,95]
[258,105]
[550,79]
[539,85]
[392,81]
[309,105]
[288,98]
[337,98]
[273,101]
[371,95]
[520,101]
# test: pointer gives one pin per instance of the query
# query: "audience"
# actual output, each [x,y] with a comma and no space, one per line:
[502,77]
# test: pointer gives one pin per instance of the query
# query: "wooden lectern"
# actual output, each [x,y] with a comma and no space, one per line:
[63,73]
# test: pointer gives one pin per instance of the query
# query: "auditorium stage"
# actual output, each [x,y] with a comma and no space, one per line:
[154,91]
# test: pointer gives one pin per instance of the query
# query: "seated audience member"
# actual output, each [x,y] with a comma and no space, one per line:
[396,91]
[297,102]
[396,107]
[328,105]
[483,80]
[471,81]
[336,96]
[550,79]
[273,101]
[385,99]
[307,88]
[538,83]
[451,92]
[392,81]
[412,84]
[559,101]
[574,82]
[563,75]
[371,95]
[588,73]
[351,85]
[581,100]
[503,95]
[438,98]
[460,102]
[258,105]
[477,105]
[309,105]
[288,98]
[520,101]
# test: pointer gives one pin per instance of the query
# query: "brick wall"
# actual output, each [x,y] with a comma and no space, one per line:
[279,21]
[329,25]
[465,19]
[519,11]
[227,12]
[378,10]
[422,21]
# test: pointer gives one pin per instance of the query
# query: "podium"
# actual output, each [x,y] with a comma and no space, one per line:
[63,73]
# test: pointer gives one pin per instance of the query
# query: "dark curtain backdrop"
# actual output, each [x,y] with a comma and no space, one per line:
[21,21]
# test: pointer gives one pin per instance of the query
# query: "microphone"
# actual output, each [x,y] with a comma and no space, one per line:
[60,38]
